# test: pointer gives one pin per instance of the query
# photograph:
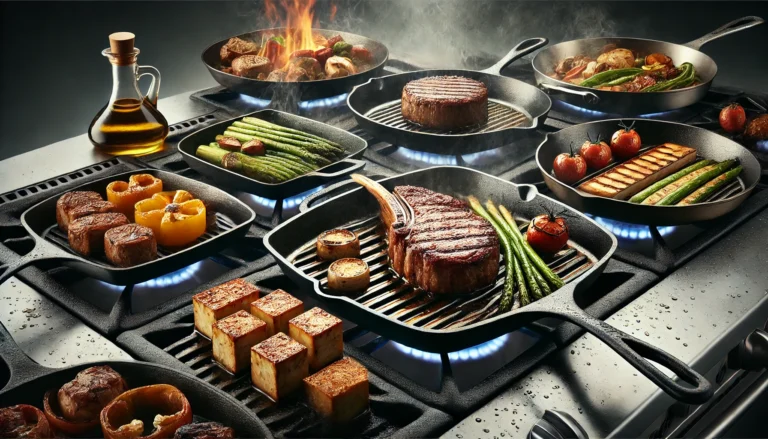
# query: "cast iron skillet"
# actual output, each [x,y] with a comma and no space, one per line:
[303,90]
[708,144]
[233,221]
[632,104]
[353,145]
[521,199]
[29,382]
[366,100]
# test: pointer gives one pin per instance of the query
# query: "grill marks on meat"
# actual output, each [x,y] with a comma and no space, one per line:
[129,245]
[204,430]
[86,235]
[435,242]
[251,66]
[82,399]
[445,102]
[74,205]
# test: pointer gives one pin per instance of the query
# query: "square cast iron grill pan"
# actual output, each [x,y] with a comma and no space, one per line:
[233,219]
[522,200]
[353,146]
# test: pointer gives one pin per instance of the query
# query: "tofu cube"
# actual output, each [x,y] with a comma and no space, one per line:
[321,333]
[278,364]
[233,337]
[221,301]
[276,309]
[340,391]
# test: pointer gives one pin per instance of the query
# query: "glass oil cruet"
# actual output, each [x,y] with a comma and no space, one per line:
[129,124]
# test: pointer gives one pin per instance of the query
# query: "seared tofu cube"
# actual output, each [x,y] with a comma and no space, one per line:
[233,337]
[221,301]
[321,333]
[278,364]
[276,309]
[340,391]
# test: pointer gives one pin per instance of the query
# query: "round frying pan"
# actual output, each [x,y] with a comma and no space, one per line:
[305,90]
[708,144]
[520,107]
[29,381]
[627,103]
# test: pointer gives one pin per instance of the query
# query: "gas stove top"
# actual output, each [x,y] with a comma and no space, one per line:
[456,382]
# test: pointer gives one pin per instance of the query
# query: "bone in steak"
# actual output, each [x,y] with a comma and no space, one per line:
[435,241]
[445,102]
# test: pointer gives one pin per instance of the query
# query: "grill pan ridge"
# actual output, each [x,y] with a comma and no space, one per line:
[524,201]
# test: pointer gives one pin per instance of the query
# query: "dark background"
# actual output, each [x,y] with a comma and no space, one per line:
[54,78]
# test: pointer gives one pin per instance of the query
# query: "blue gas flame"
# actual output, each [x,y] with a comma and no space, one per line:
[166,280]
[474,353]
[602,115]
[630,231]
[330,102]
[442,159]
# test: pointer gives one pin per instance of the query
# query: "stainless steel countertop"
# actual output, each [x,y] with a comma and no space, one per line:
[686,314]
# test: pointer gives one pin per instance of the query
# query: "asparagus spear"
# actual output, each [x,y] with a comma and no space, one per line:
[265,124]
[539,287]
[325,151]
[508,296]
[251,127]
[230,160]
[291,157]
[552,277]
[524,298]
[283,164]
[279,146]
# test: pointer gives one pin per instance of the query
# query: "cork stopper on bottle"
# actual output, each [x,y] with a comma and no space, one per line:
[121,43]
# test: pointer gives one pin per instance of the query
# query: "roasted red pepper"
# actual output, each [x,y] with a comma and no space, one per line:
[24,421]
[574,72]
[170,406]
[322,55]
[333,40]
[53,413]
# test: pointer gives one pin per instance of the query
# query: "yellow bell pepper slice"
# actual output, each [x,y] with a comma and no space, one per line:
[176,218]
[125,195]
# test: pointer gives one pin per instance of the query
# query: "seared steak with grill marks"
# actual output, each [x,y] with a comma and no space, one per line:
[77,204]
[435,241]
[130,245]
[445,102]
[86,235]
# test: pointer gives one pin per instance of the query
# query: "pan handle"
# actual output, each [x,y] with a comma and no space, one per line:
[352,166]
[588,96]
[523,48]
[335,189]
[637,353]
[726,29]
[18,263]
[21,366]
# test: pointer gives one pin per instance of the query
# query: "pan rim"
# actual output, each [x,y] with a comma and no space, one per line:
[747,189]
[551,48]
[317,81]
[535,120]
[186,155]
[114,269]
[529,309]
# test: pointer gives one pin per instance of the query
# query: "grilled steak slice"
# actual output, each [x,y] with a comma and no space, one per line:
[130,245]
[250,66]
[236,48]
[445,102]
[86,234]
[204,430]
[435,241]
[74,205]
[634,175]
[82,399]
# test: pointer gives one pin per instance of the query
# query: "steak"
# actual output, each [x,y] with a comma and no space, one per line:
[77,204]
[82,399]
[130,245]
[86,234]
[435,241]
[251,66]
[445,102]
[235,48]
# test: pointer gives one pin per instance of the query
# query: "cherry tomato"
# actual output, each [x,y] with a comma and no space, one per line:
[625,143]
[596,154]
[569,168]
[547,233]
[733,118]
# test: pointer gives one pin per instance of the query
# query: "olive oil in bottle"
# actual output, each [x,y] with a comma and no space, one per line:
[130,123]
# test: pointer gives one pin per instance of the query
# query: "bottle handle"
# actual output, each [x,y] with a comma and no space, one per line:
[154,86]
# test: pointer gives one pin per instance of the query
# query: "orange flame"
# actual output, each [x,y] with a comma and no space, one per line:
[298,21]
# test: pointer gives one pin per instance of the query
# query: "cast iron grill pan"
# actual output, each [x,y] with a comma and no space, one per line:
[301,90]
[29,381]
[353,146]
[515,109]
[524,201]
[233,219]
[709,145]
[633,104]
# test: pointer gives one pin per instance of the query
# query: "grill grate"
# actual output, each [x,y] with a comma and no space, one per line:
[58,237]
[392,296]
[292,417]
[500,117]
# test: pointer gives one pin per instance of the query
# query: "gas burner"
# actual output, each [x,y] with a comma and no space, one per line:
[476,159]
[474,353]
[762,146]
[675,115]
[330,102]
[267,208]
[629,231]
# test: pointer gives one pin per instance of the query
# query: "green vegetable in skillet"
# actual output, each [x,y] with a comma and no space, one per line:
[342,48]
[675,185]
[650,190]
[684,79]
[704,192]
[609,75]
[689,187]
